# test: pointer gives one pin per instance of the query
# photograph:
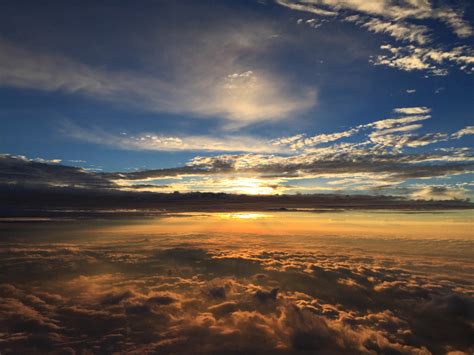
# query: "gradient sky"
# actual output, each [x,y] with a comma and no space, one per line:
[285,96]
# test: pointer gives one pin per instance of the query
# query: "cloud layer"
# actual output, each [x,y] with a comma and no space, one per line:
[385,156]
[150,295]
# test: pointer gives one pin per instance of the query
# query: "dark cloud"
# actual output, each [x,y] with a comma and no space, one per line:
[21,171]
[36,188]
[397,166]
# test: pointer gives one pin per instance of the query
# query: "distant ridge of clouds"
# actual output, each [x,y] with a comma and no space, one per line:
[376,156]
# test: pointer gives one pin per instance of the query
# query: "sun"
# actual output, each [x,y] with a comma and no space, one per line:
[250,186]
[244,215]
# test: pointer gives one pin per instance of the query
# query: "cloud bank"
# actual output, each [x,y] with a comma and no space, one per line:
[149,296]
[383,156]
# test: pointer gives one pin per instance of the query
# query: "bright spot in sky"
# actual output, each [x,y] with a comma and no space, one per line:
[244,215]
[249,186]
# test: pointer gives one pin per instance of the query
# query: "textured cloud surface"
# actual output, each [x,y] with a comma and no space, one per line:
[72,291]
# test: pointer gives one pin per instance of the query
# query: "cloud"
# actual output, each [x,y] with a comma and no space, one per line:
[441,192]
[395,18]
[313,23]
[392,167]
[434,61]
[23,171]
[399,30]
[306,8]
[366,157]
[413,110]
[247,96]
[159,142]
[162,297]
[237,90]
[464,132]
[388,9]
[453,19]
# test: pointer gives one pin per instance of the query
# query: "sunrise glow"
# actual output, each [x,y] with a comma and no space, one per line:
[237,177]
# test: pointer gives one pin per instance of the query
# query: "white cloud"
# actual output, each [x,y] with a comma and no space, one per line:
[418,110]
[387,8]
[396,129]
[460,27]
[36,160]
[160,142]
[288,140]
[306,8]
[206,82]
[393,122]
[435,61]
[393,10]
[399,30]
[323,138]
[247,97]
[395,18]
[463,132]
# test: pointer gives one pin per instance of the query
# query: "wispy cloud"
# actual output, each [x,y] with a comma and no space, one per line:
[306,7]
[240,91]
[388,9]
[161,142]
[420,110]
[432,60]
[396,19]
[400,30]
[464,132]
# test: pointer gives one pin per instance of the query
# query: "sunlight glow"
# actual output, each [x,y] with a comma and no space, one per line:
[250,186]
[244,215]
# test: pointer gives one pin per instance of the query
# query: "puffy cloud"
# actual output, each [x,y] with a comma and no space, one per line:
[280,297]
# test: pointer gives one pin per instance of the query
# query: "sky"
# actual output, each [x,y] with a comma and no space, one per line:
[255,97]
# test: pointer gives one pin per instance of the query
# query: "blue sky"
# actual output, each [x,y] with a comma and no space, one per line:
[124,86]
